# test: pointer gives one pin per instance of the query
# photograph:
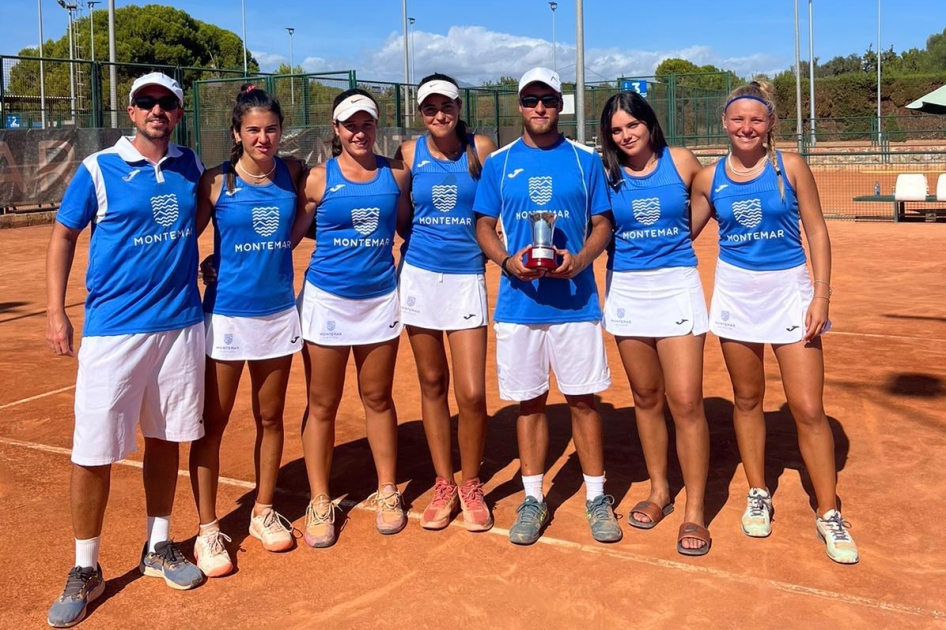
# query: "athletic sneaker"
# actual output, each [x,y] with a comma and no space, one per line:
[532,517]
[211,554]
[476,515]
[442,506]
[390,516]
[832,530]
[83,586]
[167,561]
[270,528]
[320,522]
[757,519]
[604,525]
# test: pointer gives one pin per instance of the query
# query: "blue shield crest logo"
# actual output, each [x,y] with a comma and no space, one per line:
[227,339]
[540,190]
[724,315]
[365,220]
[165,210]
[620,313]
[330,325]
[411,300]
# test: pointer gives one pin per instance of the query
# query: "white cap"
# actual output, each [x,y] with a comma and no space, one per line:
[541,75]
[353,104]
[157,78]
[437,86]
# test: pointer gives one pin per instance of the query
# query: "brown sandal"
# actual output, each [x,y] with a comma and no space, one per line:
[692,530]
[652,511]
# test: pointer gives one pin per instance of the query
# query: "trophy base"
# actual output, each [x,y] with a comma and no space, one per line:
[541,258]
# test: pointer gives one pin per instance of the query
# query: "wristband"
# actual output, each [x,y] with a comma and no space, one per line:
[503,265]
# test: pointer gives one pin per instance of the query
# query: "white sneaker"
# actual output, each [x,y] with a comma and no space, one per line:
[211,554]
[832,530]
[270,529]
[757,519]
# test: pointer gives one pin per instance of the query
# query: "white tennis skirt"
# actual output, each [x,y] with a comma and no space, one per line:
[241,338]
[655,303]
[761,306]
[442,301]
[331,320]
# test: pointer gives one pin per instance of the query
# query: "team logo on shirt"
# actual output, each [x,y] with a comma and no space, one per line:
[647,211]
[365,220]
[266,220]
[165,209]
[411,300]
[444,196]
[228,339]
[724,315]
[330,325]
[423,163]
[540,190]
[620,313]
[131,175]
[748,213]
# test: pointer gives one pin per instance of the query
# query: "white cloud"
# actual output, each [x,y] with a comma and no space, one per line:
[474,55]
[268,62]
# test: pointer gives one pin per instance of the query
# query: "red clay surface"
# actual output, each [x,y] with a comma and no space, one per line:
[886,384]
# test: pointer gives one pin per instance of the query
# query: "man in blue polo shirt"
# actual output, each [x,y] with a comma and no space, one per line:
[549,319]
[142,355]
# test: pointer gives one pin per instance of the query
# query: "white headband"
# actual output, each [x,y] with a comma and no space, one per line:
[353,104]
[437,86]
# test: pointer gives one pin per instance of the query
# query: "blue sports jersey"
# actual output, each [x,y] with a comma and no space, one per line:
[757,229]
[651,220]
[253,247]
[443,234]
[354,234]
[142,274]
[567,179]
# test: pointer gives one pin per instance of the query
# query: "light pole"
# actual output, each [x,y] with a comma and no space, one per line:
[580,71]
[243,17]
[91,4]
[42,72]
[811,71]
[799,130]
[410,22]
[72,71]
[112,68]
[553,6]
[292,79]
[407,74]
[880,133]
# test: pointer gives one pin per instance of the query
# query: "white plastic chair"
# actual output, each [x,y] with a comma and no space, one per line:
[941,188]
[910,187]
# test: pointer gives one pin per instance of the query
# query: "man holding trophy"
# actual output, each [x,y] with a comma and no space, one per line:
[546,190]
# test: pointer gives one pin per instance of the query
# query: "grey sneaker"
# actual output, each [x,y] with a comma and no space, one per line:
[533,515]
[604,525]
[757,519]
[167,561]
[83,586]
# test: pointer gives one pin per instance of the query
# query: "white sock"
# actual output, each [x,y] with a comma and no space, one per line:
[594,487]
[206,528]
[533,486]
[159,530]
[87,552]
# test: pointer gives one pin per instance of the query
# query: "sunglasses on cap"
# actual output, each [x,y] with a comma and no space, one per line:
[549,101]
[167,103]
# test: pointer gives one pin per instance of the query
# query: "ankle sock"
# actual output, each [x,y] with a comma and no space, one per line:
[533,486]
[87,552]
[159,530]
[594,487]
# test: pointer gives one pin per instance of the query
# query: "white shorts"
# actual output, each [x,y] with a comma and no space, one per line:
[330,320]
[761,306]
[152,379]
[574,351]
[655,303]
[248,338]
[442,301]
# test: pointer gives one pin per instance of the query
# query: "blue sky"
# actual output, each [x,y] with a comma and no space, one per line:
[506,37]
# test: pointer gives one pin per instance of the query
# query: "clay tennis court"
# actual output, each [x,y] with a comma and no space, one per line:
[885,392]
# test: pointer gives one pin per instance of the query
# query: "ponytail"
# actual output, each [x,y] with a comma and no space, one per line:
[472,159]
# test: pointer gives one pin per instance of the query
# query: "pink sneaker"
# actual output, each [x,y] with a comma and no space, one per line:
[442,506]
[390,512]
[320,522]
[476,514]
[211,554]
[270,528]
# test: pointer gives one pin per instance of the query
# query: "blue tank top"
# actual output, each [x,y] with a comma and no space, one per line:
[758,230]
[652,221]
[443,233]
[253,247]
[354,234]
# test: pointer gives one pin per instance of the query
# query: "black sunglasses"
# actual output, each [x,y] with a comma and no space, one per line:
[167,103]
[549,101]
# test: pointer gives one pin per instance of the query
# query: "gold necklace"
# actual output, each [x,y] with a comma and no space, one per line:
[755,169]
[239,166]
[651,160]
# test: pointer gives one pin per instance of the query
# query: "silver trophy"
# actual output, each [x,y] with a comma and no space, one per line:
[542,254]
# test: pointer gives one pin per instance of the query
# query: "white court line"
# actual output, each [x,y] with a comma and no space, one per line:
[37,397]
[612,552]
[880,336]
